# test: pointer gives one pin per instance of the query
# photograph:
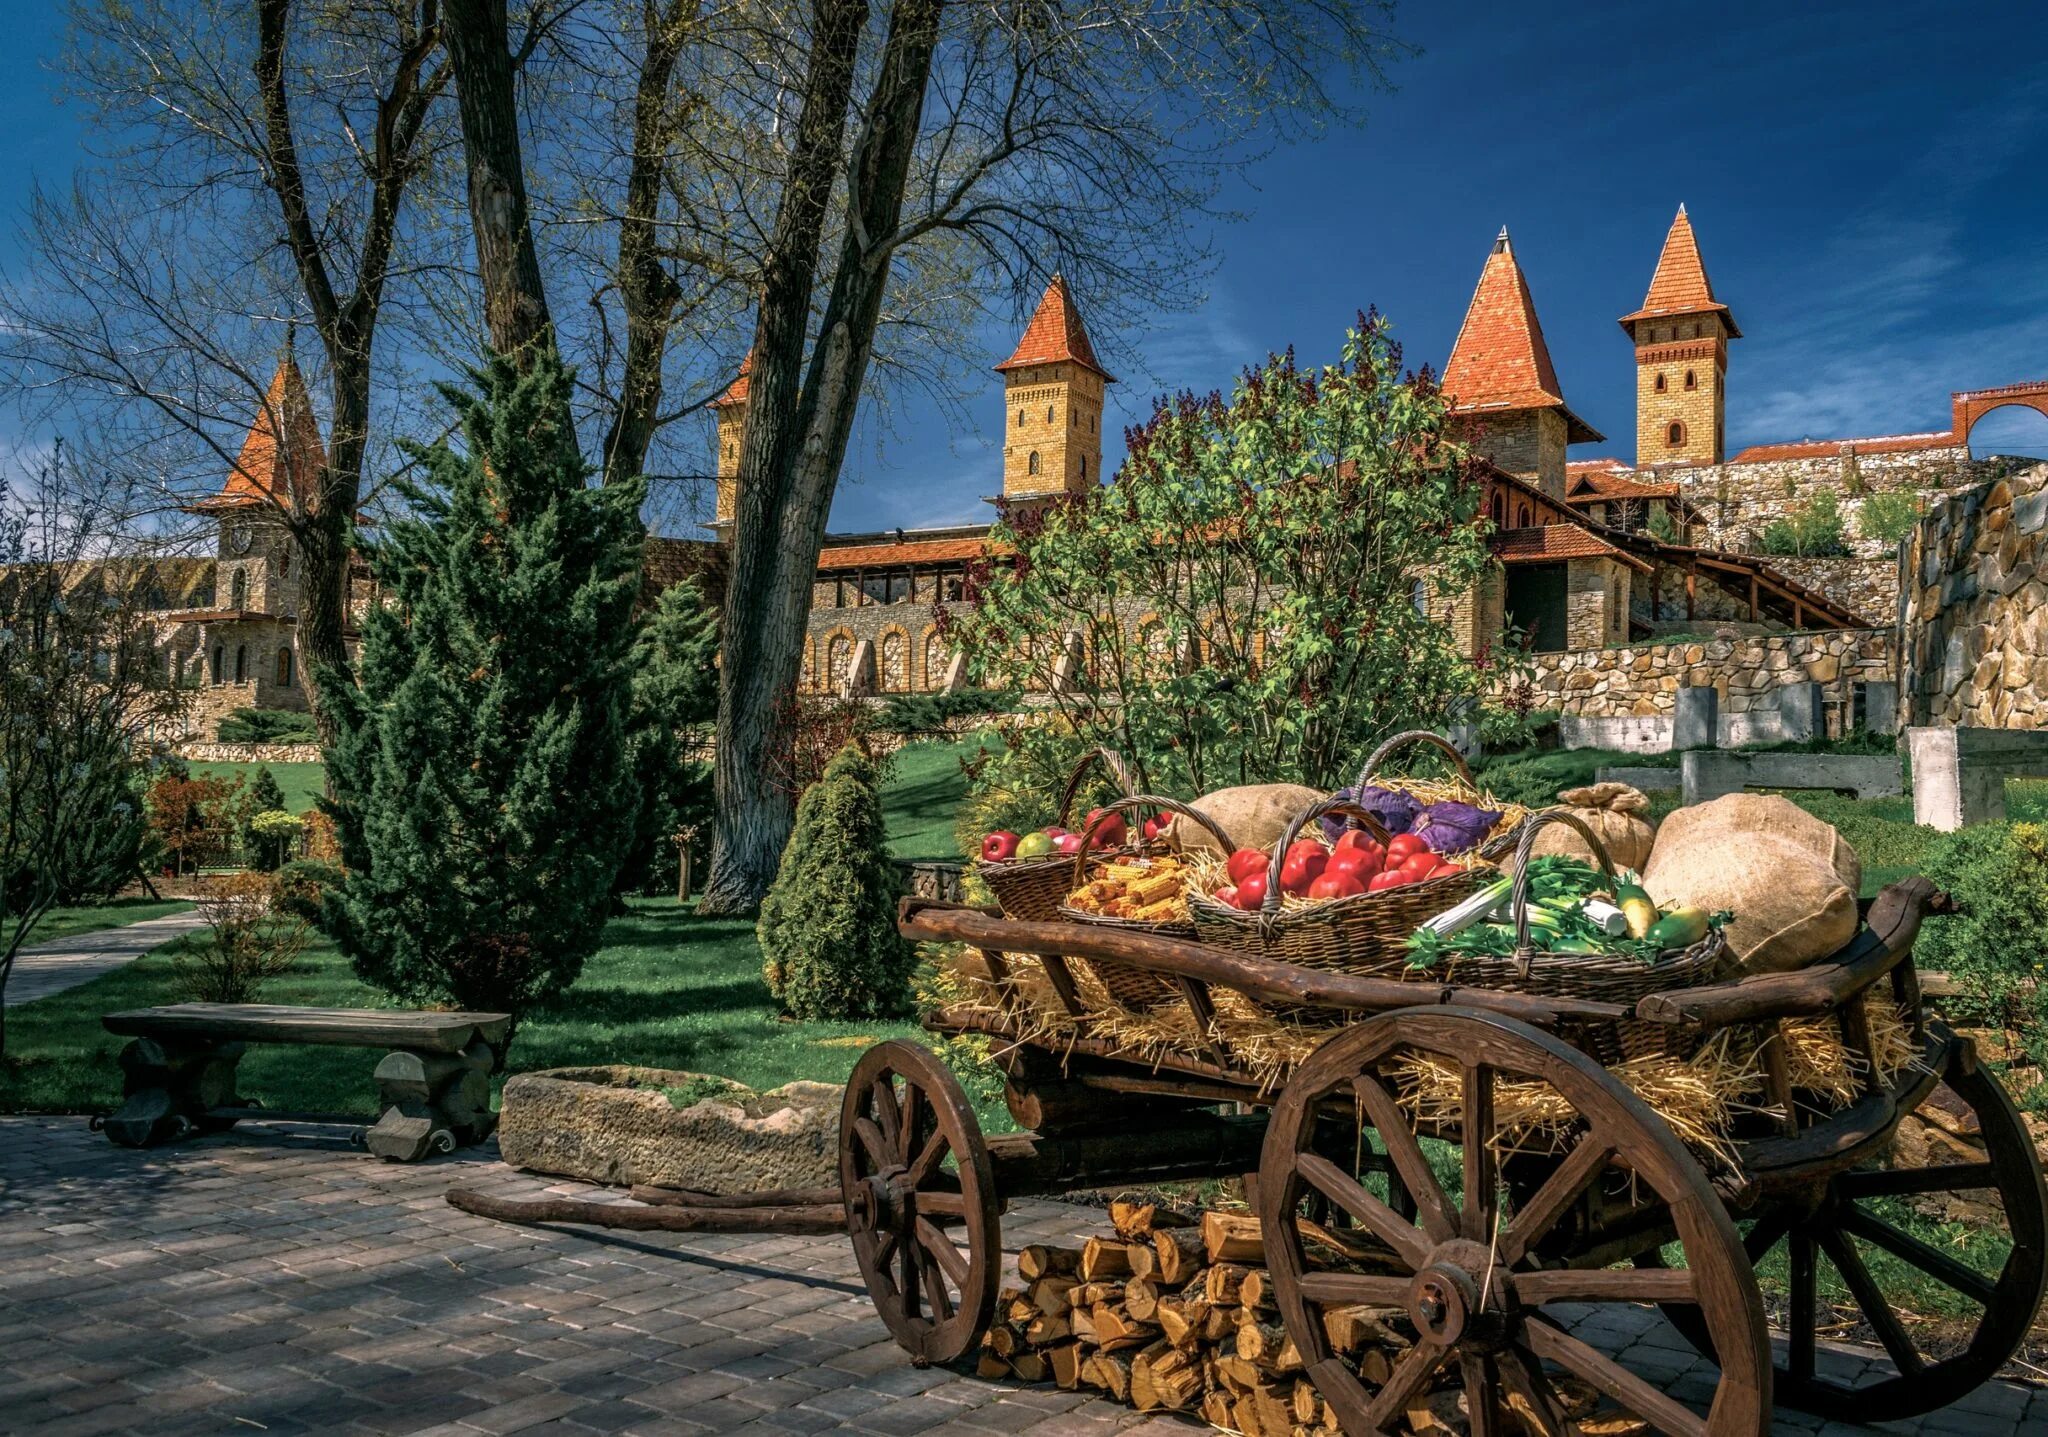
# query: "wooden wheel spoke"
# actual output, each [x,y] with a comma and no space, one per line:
[935,1293]
[942,1250]
[1609,1377]
[1433,1209]
[1764,1236]
[885,1248]
[889,1117]
[1910,1182]
[1482,1395]
[1523,1378]
[1408,1377]
[1342,1189]
[1587,1160]
[1606,1284]
[912,1114]
[1871,1301]
[1909,1249]
[1799,1323]
[1482,1171]
[942,1204]
[935,1150]
[1350,1289]
[873,1143]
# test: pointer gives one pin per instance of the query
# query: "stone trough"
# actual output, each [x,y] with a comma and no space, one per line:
[620,1126]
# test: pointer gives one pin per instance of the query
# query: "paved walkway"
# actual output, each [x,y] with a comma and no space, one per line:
[48,968]
[275,1280]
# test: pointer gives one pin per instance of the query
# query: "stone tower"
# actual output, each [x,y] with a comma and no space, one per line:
[1681,336]
[731,409]
[1053,389]
[278,469]
[1505,399]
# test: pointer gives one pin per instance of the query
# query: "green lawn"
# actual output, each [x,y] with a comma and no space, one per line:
[92,917]
[302,782]
[924,792]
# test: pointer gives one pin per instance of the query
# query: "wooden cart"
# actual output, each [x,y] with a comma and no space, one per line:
[1618,1211]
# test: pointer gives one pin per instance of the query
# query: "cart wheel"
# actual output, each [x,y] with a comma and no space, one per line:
[2001,1297]
[912,1164]
[1475,1275]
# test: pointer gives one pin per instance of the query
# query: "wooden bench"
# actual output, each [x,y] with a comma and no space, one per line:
[178,1075]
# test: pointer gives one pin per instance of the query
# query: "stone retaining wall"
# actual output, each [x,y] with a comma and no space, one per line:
[1870,587]
[1641,681]
[200,752]
[1974,635]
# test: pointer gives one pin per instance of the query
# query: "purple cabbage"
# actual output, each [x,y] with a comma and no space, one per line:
[1455,827]
[1395,810]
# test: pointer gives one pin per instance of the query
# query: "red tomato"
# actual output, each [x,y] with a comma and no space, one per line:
[1226,894]
[1251,890]
[1335,885]
[1416,864]
[1392,878]
[1403,844]
[1306,848]
[1353,863]
[1302,869]
[1246,861]
[1355,841]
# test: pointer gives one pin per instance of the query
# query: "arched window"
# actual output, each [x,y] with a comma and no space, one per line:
[238,590]
[1522,516]
[1660,386]
[838,659]
[1692,381]
[284,563]
[1050,414]
[1675,435]
[895,661]
[1499,510]
[1420,595]
[1031,464]
[284,666]
[241,663]
[218,653]
[935,660]
[1022,419]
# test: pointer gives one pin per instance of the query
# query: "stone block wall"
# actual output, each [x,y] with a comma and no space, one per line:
[1974,623]
[1869,586]
[1641,681]
[909,655]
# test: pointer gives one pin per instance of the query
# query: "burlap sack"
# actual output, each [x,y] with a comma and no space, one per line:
[1617,815]
[1254,816]
[1789,879]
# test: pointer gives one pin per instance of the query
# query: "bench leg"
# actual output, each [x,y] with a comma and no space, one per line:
[171,1090]
[433,1102]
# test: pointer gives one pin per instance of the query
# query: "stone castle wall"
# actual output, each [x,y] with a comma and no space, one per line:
[1974,625]
[1642,680]
[1870,586]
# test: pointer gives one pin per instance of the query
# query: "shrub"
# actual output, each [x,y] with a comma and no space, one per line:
[303,886]
[272,834]
[1662,526]
[1997,874]
[1889,517]
[249,725]
[813,730]
[675,700]
[265,849]
[194,821]
[828,935]
[1809,530]
[255,938]
[930,713]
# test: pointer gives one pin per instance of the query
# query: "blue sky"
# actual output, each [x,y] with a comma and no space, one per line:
[1865,180]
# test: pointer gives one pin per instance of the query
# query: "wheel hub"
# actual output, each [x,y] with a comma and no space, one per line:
[883,1202]
[1462,1296]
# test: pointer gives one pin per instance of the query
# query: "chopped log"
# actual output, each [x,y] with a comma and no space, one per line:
[1065,1358]
[1094,1294]
[1178,1256]
[1375,1367]
[1116,1329]
[1268,1345]
[1112,1374]
[1141,1299]
[1101,1258]
[1020,1311]
[1267,1410]
[1438,1412]
[1215,1408]
[991,1366]
[1031,1366]
[1044,1331]
[1004,1340]
[1218,1324]
[1180,1319]
[1039,1260]
[1223,1283]
[1081,1322]
[1307,1406]
[1350,1328]
[1162,1377]
[1257,1290]
[1237,1373]
[1610,1424]
[1233,1237]
[1142,1259]
[1053,1295]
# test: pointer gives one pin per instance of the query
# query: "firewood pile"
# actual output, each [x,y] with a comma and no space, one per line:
[1176,1314]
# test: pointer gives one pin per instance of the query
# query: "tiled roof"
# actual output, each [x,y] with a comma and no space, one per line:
[1680,285]
[222,616]
[262,474]
[1830,448]
[909,551]
[736,392]
[1595,484]
[1500,360]
[1607,465]
[1056,334]
[1548,543]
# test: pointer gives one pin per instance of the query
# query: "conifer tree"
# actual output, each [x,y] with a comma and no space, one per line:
[828,935]
[264,796]
[481,793]
[675,699]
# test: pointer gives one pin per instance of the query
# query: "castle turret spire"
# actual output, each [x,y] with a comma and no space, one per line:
[1053,394]
[1681,336]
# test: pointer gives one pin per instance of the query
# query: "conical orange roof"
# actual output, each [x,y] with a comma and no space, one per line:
[267,472]
[1500,360]
[1680,285]
[736,392]
[1056,335]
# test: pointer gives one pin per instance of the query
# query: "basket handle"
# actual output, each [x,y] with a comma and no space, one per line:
[1269,906]
[1518,897]
[1415,736]
[1113,764]
[1143,800]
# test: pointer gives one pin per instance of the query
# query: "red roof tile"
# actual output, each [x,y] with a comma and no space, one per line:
[1680,285]
[1596,484]
[262,474]
[736,392]
[1547,543]
[909,551]
[1830,448]
[1056,335]
[1500,360]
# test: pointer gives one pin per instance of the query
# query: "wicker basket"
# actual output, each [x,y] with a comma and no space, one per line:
[1033,888]
[1133,987]
[1464,788]
[1364,934]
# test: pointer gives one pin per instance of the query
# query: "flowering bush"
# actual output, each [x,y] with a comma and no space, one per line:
[255,939]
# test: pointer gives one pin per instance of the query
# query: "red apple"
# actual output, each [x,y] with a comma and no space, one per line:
[1113,830]
[999,847]
[1251,890]
[1418,865]
[1068,843]
[1226,894]
[1392,878]
[1335,885]
[1403,844]
[1246,861]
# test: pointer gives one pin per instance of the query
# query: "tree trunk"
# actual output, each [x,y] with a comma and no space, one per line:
[515,303]
[774,567]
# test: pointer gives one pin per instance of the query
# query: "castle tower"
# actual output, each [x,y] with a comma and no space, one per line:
[731,409]
[278,468]
[1052,390]
[1505,398]
[1681,336]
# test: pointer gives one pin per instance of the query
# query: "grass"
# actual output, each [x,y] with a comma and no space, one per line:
[301,783]
[93,917]
[924,792]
